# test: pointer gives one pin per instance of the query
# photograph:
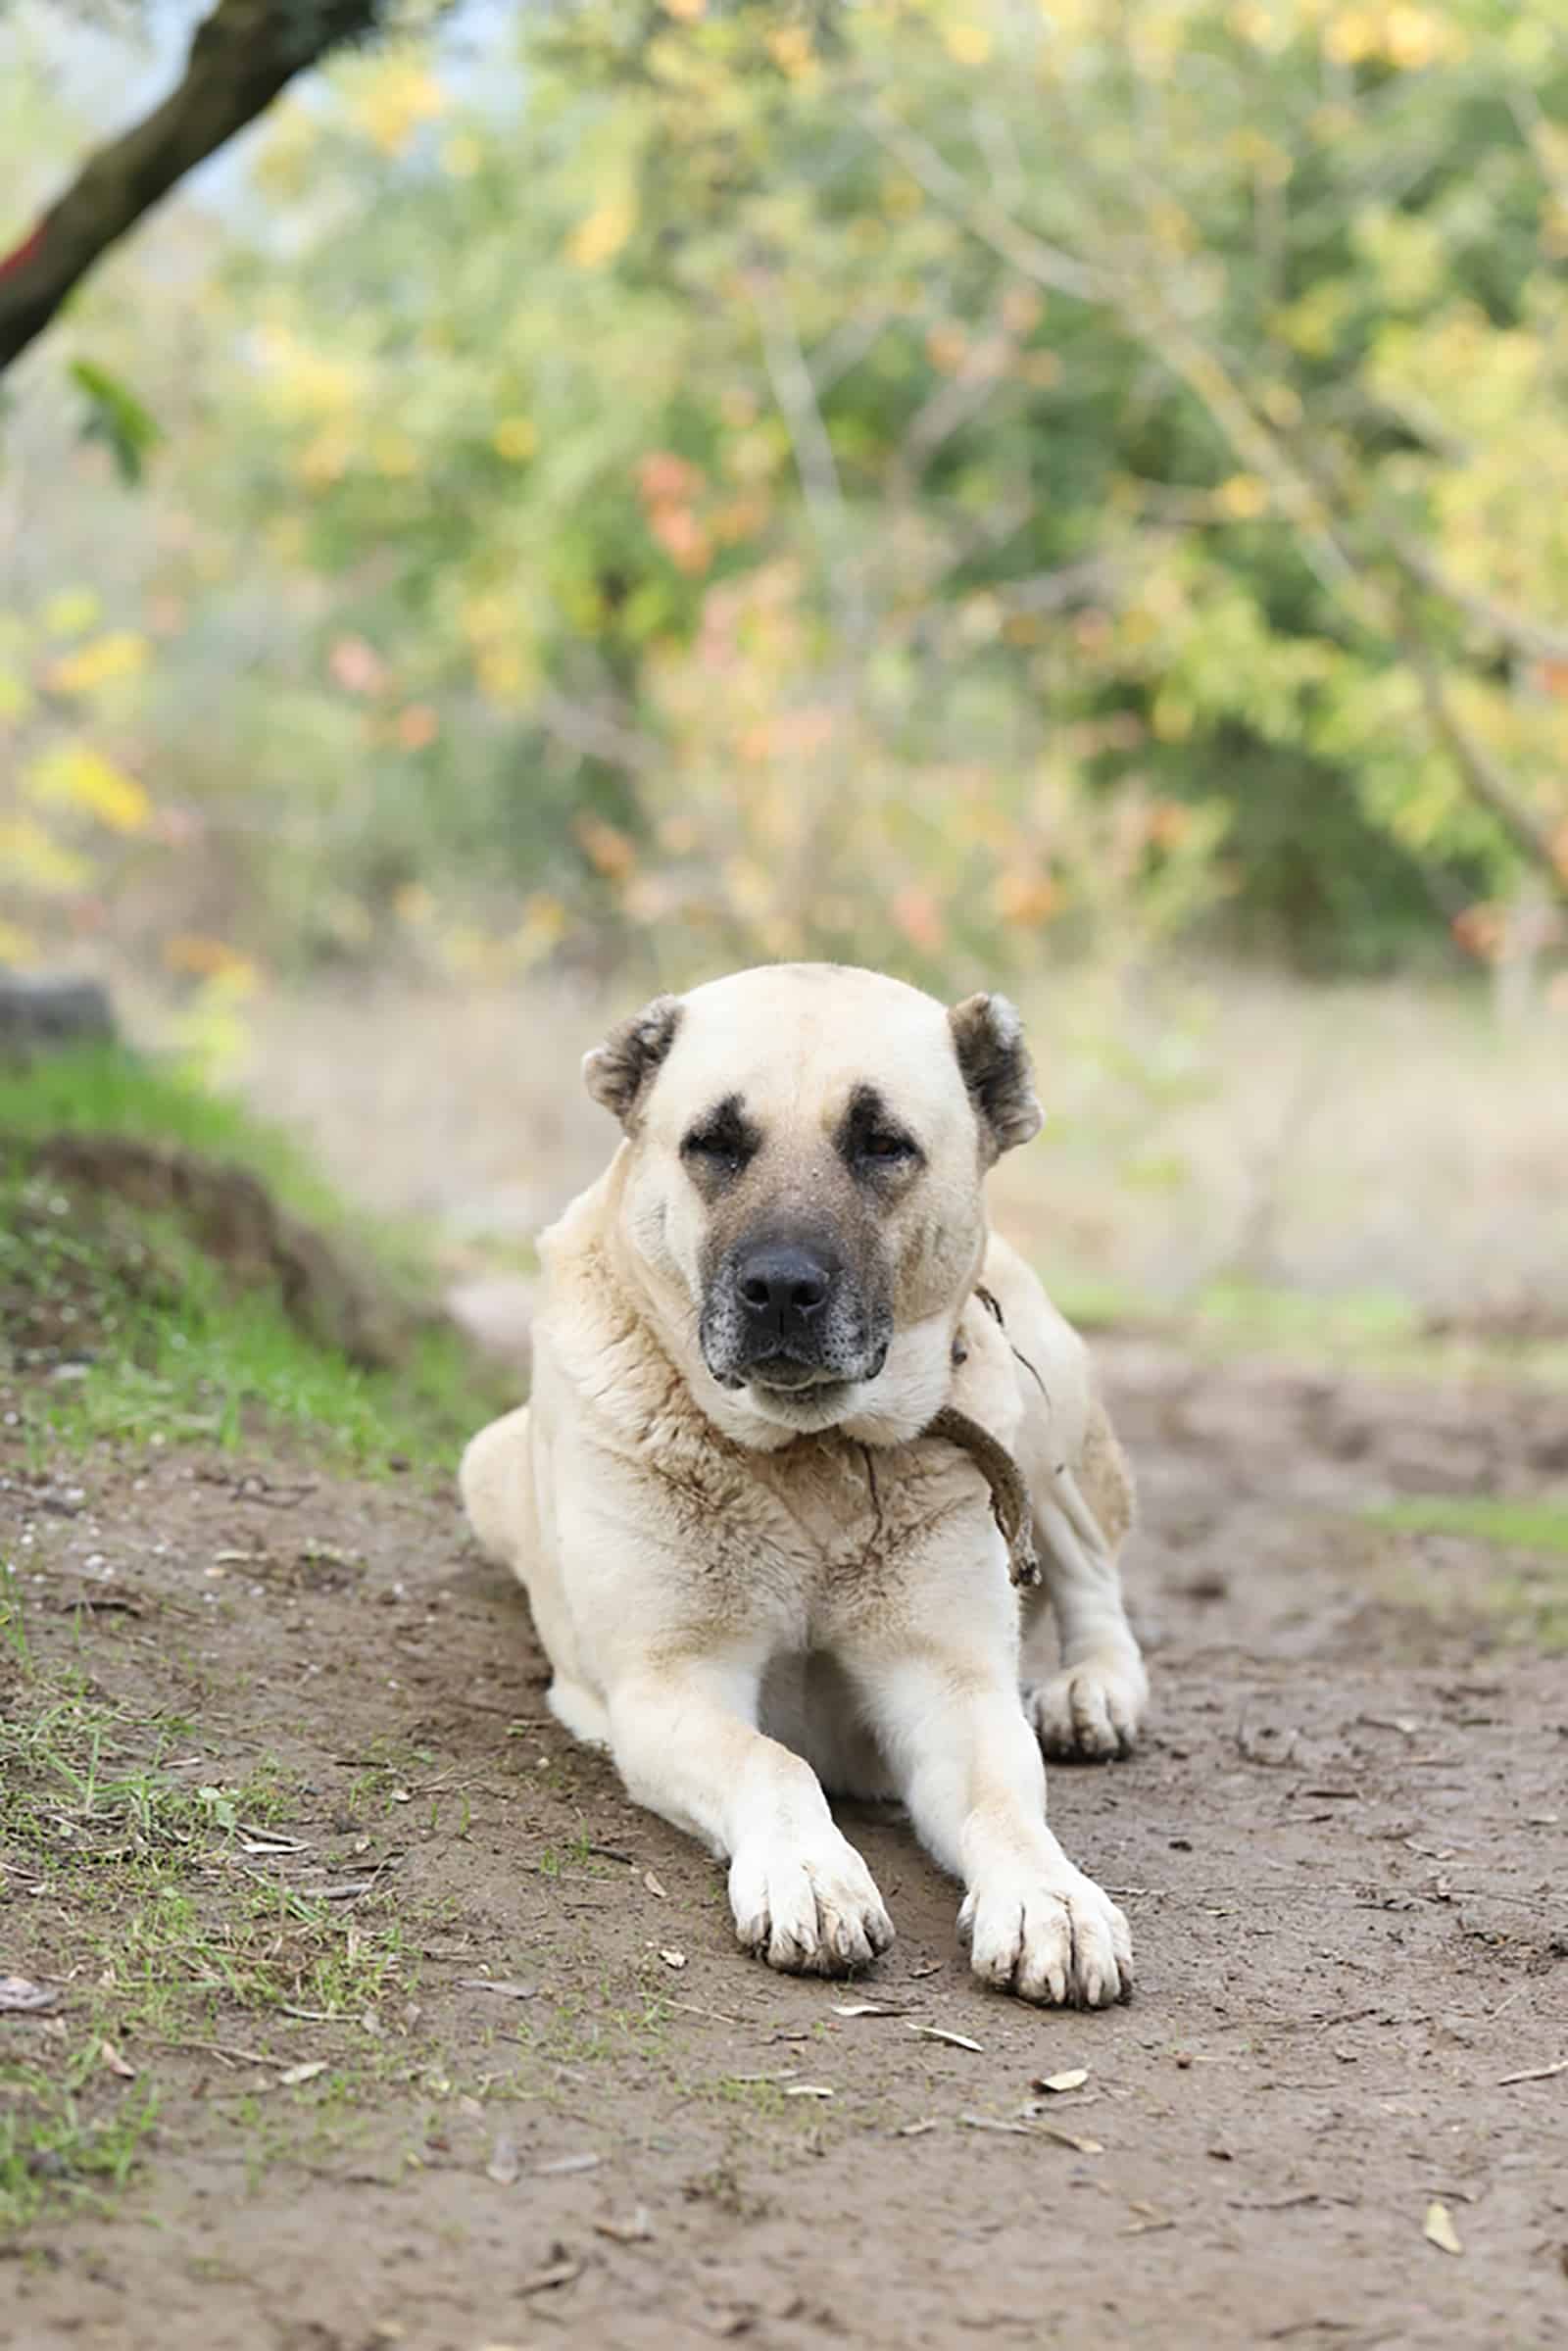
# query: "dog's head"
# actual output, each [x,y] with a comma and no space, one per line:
[805,1151]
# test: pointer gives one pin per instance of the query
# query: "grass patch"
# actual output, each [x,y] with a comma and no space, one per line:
[119,1324]
[1522,1595]
[69,2136]
[1379,1332]
[101,1090]
[1522,1526]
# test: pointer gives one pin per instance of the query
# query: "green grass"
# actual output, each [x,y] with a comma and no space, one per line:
[1524,1526]
[1379,1332]
[71,2135]
[119,1326]
[100,1090]
[1522,1595]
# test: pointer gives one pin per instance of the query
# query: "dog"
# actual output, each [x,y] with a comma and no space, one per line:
[784,1382]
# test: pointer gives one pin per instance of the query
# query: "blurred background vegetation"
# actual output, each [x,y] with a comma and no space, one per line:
[580,496]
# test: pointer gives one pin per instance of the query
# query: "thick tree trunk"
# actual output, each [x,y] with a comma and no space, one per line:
[241,56]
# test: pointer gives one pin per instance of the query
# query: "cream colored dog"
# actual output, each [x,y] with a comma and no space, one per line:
[753,1575]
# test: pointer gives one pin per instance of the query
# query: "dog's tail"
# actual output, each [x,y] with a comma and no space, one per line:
[492,1479]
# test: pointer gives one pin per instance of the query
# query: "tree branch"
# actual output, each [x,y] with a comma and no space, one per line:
[240,58]
[1485,780]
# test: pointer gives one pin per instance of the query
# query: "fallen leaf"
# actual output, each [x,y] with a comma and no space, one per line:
[1439,2231]
[19,1997]
[302,2073]
[109,2055]
[563,2164]
[635,2230]
[808,2089]
[1073,2078]
[560,2272]
[726,2323]
[654,1887]
[954,2041]
[1070,2139]
[504,2166]
[1536,2073]
[866,2008]
[915,2129]
[497,1985]
[675,1959]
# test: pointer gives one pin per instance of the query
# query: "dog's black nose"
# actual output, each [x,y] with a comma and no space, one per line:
[782,1287]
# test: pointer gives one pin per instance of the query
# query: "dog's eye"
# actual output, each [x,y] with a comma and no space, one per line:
[887,1148]
[715,1148]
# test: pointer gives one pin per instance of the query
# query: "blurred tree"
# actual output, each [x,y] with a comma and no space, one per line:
[937,482]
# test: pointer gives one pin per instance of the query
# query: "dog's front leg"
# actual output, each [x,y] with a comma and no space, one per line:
[685,1739]
[968,1766]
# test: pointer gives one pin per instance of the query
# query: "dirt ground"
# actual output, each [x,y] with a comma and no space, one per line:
[1341,1848]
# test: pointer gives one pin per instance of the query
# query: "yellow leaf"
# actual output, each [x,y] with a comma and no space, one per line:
[1411,38]
[75,776]
[1351,35]
[601,237]
[686,12]
[399,97]
[197,956]
[462,155]
[501,673]
[516,437]
[16,947]
[970,44]
[71,611]
[395,455]
[1243,496]
[1172,717]
[14,699]
[120,653]
[790,48]
[35,859]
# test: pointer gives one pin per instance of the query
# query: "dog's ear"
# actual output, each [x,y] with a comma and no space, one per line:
[618,1072]
[988,1037]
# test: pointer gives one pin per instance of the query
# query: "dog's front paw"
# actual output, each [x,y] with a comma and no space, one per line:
[1053,1937]
[807,1906]
[1091,1711]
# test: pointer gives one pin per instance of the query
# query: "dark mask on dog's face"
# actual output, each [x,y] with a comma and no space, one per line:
[806,1149]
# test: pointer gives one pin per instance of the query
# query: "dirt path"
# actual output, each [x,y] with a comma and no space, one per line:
[1341,1850]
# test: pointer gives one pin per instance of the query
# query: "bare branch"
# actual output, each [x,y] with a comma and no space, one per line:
[1093,575]
[1032,256]
[1516,630]
[950,406]
[848,345]
[1485,780]
[240,57]
[595,735]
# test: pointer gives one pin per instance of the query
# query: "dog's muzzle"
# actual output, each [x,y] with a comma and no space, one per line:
[785,1315]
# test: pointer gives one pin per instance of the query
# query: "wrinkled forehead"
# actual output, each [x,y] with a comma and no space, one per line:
[794,1049]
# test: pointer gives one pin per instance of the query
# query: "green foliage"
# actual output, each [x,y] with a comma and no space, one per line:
[936,483]
[117,418]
